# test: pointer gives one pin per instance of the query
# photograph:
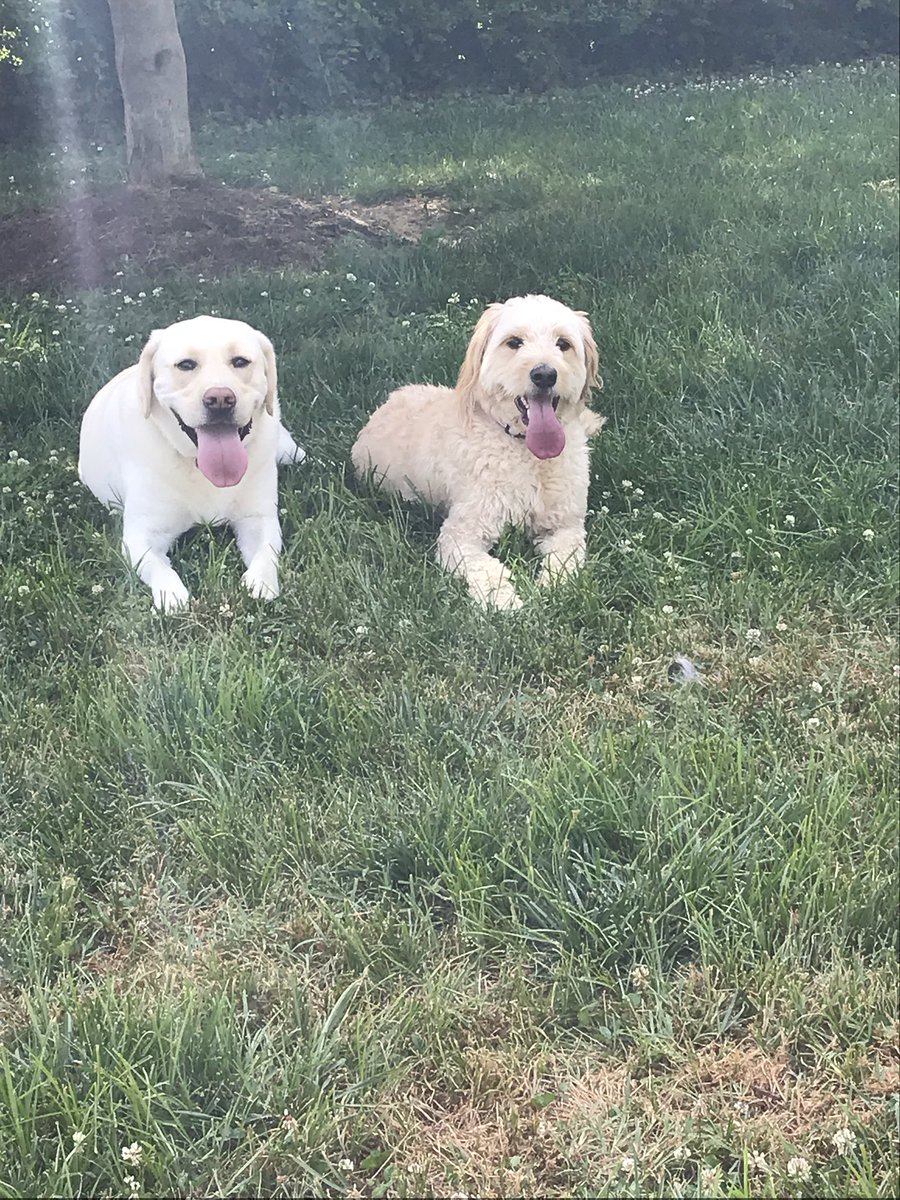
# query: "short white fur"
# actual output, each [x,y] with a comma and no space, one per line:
[135,455]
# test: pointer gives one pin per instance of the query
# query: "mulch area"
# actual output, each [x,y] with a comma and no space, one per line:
[212,230]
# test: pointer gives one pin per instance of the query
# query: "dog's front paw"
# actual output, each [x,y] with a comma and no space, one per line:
[555,571]
[560,563]
[506,599]
[499,594]
[261,584]
[171,596]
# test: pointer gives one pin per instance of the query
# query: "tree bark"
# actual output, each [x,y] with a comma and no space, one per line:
[153,77]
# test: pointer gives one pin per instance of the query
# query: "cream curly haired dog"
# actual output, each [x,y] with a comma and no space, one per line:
[507,445]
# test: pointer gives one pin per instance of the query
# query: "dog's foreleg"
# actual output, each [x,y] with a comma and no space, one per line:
[259,541]
[146,550]
[287,451]
[562,552]
[462,547]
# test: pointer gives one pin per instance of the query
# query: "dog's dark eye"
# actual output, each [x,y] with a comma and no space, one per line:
[240,362]
[564,344]
[186,364]
[514,343]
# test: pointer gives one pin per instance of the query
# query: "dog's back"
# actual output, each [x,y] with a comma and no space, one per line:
[406,441]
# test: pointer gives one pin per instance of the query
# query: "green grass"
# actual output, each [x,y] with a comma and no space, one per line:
[484,903]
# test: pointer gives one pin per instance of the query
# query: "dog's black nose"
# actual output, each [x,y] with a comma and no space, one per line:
[543,377]
[220,399]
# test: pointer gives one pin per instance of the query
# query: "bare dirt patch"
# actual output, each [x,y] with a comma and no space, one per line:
[212,230]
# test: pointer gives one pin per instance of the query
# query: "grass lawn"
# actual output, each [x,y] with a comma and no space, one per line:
[369,892]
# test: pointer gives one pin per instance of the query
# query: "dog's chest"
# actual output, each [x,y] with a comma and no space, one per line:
[197,501]
[532,491]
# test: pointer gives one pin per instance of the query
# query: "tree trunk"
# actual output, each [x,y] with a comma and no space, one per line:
[153,77]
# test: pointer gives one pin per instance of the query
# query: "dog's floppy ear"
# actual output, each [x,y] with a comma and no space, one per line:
[591,359]
[271,372]
[145,371]
[467,381]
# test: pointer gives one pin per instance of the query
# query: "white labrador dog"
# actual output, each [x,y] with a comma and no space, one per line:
[189,434]
[508,445]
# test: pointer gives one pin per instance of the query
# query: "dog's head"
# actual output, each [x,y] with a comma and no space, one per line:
[530,366]
[204,382]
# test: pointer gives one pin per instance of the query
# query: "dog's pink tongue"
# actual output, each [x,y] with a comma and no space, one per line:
[221,455]
[544,436]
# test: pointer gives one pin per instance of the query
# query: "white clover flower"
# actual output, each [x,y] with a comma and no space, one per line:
[813,722]
[668,609]
[626,484]
[781,626]
[753,635]
[799,1168]
[790,520]
[404,324]
[758,1163]
[23,589]
[843,1140]
[657,516]
[96,589]
[640,976]
[628,1164]
[681,1153]
[346,1164]
[307,291]
[13,455]
[638,492]
[78,1139]
[868,535]
[816,687]
[133,1154]
[264,295]
[709,1178]
[689,119]
[133,1186]
[351,278]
